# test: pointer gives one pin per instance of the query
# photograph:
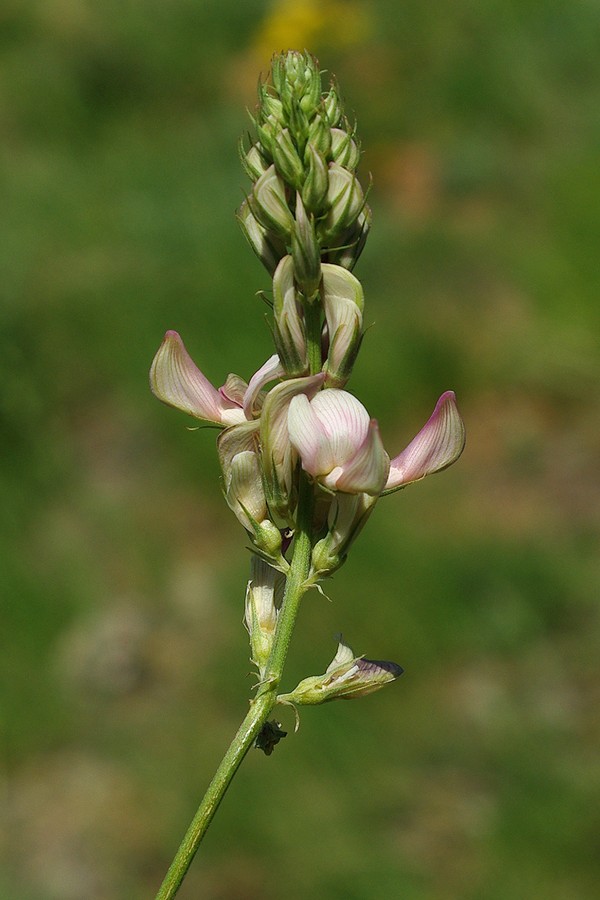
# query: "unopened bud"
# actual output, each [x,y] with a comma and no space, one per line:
[344,150]
[348,515]
[253,162]
[352,242]
[267,246]
[333,107]
[306,252]
[270,107]
[269,204]
[316,183]
[263,600]
[290,337]
[347,677]
[346,202]
[319,135]
[286,159]
[343,302]
[237,449]
[278,456]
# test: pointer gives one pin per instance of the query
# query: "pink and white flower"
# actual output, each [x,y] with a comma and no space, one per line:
[340,446]
[338,443]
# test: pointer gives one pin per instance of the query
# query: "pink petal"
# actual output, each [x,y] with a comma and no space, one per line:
[437,445]
[177,381]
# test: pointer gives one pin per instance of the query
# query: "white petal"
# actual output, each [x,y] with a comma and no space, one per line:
[345,422]
[437,445]
[308,437]
[268,372]
[368,470]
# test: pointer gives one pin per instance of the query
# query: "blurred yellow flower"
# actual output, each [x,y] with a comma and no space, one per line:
[308,23]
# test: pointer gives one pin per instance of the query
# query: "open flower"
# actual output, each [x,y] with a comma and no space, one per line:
[340,446]
[177,381]
[338,443]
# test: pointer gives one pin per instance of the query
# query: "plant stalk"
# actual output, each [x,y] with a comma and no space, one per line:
[260,706]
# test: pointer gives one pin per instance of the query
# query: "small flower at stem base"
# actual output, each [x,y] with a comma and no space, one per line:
[347,677]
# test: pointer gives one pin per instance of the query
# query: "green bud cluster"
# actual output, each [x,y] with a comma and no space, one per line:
[306,205]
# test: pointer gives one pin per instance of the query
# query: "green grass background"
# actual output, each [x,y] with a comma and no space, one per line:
[124,661]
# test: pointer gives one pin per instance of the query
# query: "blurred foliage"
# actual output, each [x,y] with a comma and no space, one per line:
[125,661]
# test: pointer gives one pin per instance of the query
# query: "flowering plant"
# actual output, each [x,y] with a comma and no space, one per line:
[303,462]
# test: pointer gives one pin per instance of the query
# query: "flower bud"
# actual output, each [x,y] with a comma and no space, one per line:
[306,252]
[333,106]
[343,303]
[290,337]
[269,204]
[297,80]
[348,514]
[352,242]
[319,135]
[264,595]
[347,677]
[237,448]
[346,202]
[253,161]
[270,107]
[286,159]
[316,183]
[344,150]
[266,131]
[267,246]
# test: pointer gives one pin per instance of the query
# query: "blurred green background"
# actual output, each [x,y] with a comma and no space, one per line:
[125,663]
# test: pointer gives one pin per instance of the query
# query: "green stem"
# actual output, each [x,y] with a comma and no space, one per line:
[312,322]
[260,707]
